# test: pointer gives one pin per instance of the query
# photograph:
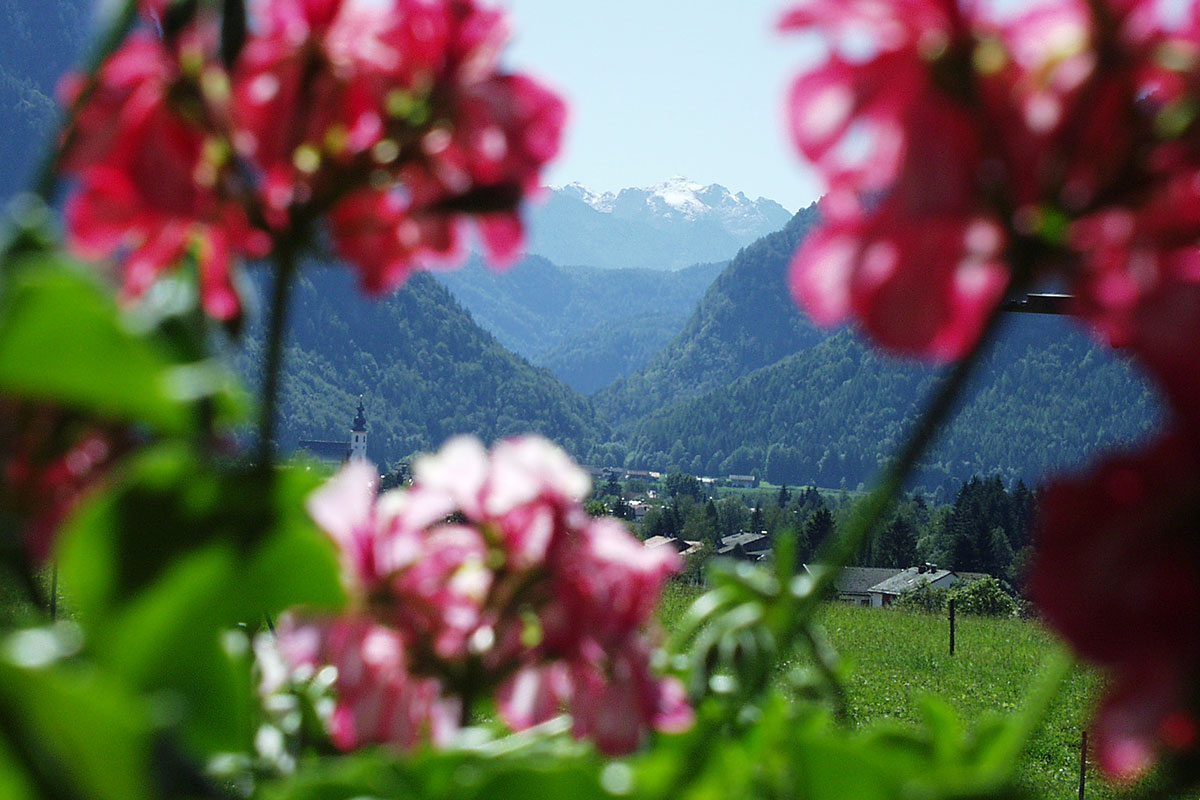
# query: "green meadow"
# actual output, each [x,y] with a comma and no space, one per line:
[896,657]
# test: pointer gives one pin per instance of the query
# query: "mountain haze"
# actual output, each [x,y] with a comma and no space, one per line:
[41,41]
[534,306]
[589,325]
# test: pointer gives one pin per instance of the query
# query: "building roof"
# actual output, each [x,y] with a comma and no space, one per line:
[859,580]
[754,544]
[909,579]
[743,539]
[326,451]
[662,541]
[686,547]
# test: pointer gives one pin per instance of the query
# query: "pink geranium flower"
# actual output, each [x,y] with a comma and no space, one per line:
[964,153]
[1117,573]
[921,266]
[148,177]
[486,577]
[50,459]
[389,121]
[378,701]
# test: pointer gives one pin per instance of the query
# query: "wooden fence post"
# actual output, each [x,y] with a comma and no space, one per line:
[952,626]
[54,592]
[1082,763]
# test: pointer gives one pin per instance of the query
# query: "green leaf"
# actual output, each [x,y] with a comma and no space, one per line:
[449,776]
[170,506]
[63,340]
[176,554]
[945,730]
[69,732]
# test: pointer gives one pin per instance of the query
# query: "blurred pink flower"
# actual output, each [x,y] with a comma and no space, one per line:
[148,177]
[963,152]
[492,579]
[391,121]
[921,266]
[49,460]
[1117,573]
[378,701]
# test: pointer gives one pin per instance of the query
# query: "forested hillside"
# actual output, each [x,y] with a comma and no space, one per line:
[744,321]
[40,41]
[425,371]
[832,414]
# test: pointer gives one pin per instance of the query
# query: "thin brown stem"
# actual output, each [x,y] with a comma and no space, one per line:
[285,269]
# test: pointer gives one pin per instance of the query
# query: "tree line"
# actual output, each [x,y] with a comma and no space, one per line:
[984,527]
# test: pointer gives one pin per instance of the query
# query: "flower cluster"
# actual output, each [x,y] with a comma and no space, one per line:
[970,154]
[388,119]
[484,577]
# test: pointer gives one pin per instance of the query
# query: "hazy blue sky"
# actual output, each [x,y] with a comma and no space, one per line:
[665,87]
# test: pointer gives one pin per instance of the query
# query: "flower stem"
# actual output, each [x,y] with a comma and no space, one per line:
[862,525]
[285,269]
[46,177]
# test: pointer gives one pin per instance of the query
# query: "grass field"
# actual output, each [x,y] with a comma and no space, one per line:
[896,657]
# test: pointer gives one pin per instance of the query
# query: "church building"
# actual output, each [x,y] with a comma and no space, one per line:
[341,452]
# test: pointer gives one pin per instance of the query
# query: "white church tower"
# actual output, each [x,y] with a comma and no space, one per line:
[358,435]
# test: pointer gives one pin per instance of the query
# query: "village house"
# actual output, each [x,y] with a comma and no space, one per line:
[879,587]
[885,592]
[685,547]
[745,546]
[854,584]
[639,508]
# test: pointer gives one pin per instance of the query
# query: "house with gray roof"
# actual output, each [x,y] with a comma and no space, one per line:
[853,584]
[885,592]
[880,586]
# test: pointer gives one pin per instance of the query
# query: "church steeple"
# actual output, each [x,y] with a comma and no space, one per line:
[358,435]
[360,422]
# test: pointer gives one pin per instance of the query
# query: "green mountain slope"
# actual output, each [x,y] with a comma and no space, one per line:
[1046,399]
[744,321]
[425,369]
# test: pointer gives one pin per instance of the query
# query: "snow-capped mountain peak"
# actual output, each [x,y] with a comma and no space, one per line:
[675,197]
[601,201]
[677,222]
[684,196]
